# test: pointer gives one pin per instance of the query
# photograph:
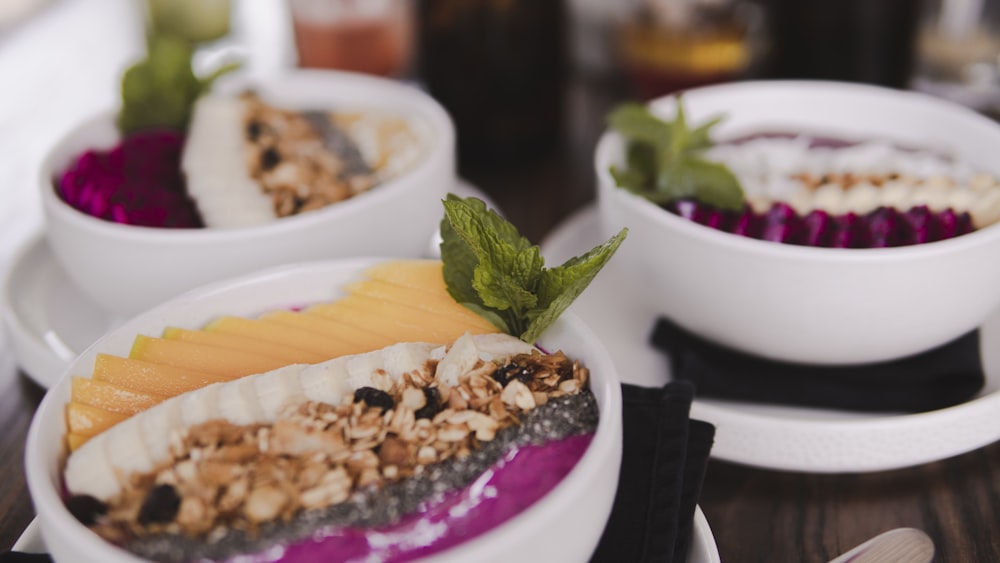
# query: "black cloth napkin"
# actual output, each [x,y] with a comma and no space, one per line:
[19,557]
[945,376]
[664,456]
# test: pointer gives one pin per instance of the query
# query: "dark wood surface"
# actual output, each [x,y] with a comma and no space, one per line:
[755,514]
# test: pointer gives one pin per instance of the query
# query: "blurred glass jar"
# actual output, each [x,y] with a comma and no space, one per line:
[669,45]
[499,67]
[370,36]
[196,21]
[958,52]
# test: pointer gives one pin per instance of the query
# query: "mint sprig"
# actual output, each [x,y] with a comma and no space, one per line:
[493,270]
[160,90]
[663,159]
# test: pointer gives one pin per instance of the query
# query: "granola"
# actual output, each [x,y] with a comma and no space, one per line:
[222,477]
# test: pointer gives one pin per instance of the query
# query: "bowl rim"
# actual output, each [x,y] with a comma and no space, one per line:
[610,142]
[419,104]
[606,439]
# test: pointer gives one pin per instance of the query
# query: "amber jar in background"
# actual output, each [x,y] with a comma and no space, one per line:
[669,45]
[498,66]
[370,36]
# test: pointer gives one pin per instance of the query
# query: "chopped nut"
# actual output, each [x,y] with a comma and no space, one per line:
[517,394]
[264,504]
[395,451]
[413,398]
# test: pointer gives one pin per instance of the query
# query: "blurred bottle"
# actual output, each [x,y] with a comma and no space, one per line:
[498,66]
[196,21]
[671,45]
[869,41]
[370,36]
[958,52]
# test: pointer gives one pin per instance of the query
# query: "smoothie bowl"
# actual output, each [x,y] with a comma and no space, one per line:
[494,490]
[363,409]
[308,165]
[818,223]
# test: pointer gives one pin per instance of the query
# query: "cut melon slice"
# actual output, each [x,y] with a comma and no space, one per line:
[74,440]
[90,421]
[285,335]
[246,344]
[424,275]
[148,377]
[399,322]
[364,340]
[440,304]
[222,362]
[110,397]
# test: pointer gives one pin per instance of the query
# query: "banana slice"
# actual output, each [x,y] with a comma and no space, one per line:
[157,422]
[238,402]
[278,388]
[89,472]
[326,382]
[215,169]
[200,405]
[125,448]
[367,370]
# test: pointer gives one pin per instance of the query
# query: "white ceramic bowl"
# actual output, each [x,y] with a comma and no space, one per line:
[127,269]
[812,305]
[565,525]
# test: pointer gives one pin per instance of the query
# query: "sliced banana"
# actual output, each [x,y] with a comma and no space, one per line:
[89,471]
[326,382]
[215,168]
[160,420]
[278,388]
[238,402]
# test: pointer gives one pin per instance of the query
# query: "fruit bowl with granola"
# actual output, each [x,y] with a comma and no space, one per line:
[808,222]
[342,410]
[182,186]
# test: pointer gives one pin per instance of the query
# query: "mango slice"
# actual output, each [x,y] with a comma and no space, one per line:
[110,397]
[223,362]
[267,347]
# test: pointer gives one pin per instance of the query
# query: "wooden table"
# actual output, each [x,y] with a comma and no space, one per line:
[756,515]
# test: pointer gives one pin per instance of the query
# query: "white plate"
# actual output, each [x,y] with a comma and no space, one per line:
[49,321]
[776,437]
[703,548]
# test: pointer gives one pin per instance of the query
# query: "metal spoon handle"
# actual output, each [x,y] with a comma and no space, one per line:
[902,545]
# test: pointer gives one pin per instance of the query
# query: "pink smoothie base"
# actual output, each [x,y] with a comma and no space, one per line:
[504,490]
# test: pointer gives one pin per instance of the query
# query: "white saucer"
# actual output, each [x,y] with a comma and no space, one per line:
[49,321]
[703,547]
[787,438]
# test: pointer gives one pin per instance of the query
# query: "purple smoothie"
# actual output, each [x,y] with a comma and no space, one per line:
[508,487]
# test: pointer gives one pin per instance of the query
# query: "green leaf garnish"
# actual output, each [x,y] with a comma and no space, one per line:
[663,160]
[160,90]
[494,271]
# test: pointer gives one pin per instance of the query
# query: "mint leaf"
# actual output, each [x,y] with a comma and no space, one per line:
[495,272]
[663,159]
[635,122]
[560,286]
[160,90]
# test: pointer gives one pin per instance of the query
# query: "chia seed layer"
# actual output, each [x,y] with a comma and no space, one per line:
[369,508]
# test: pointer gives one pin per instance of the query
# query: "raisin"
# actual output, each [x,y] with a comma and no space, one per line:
[160,506]
[432,404]
[522,373]
[254,129]
[269,158]
[374,398]
[86,509]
